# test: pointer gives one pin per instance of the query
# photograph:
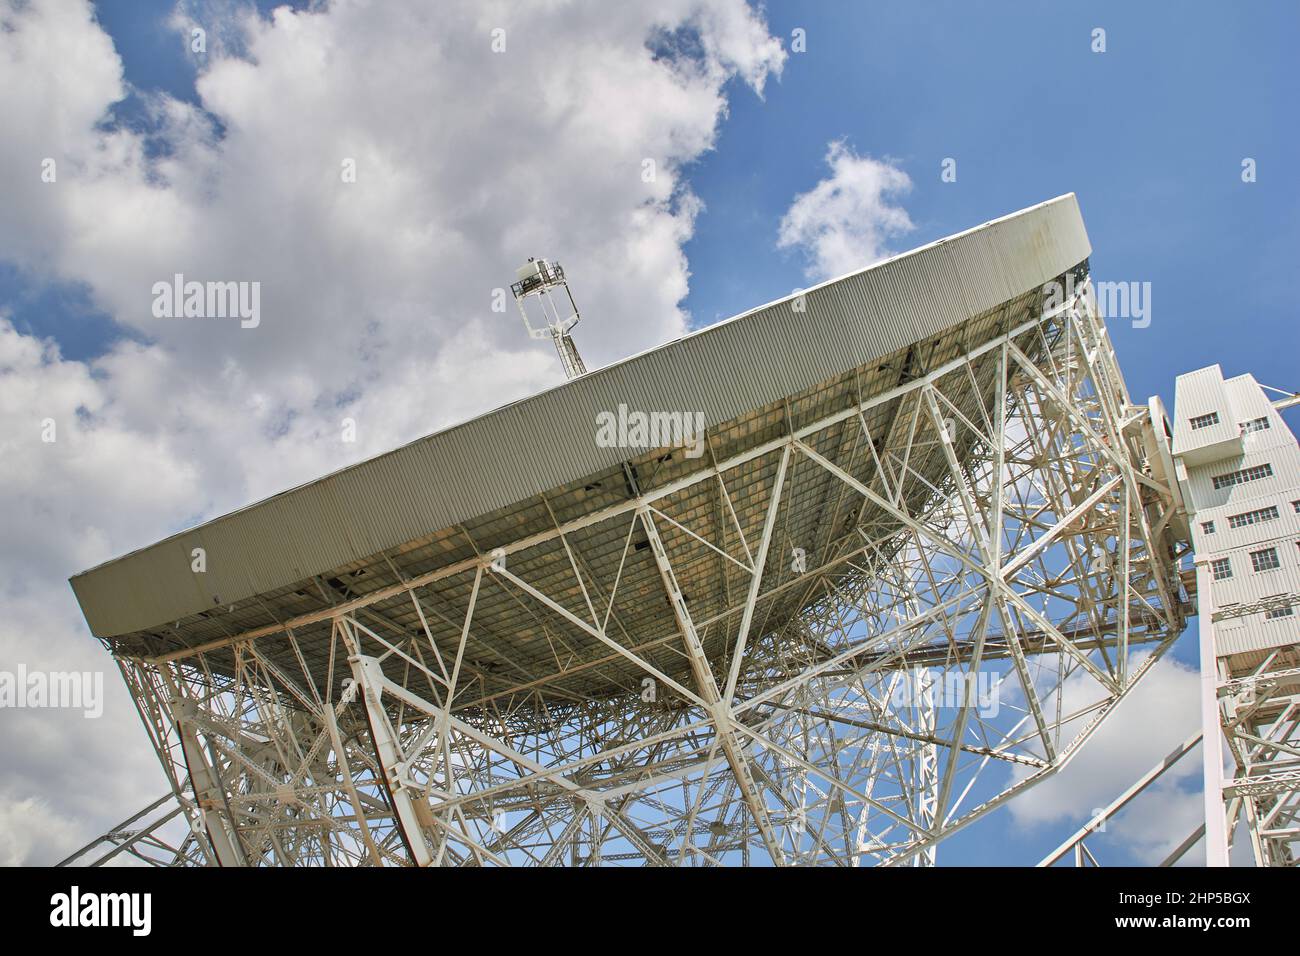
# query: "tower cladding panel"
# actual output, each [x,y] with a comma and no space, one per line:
[1239,468]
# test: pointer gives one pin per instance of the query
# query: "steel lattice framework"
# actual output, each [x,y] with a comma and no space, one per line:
[1260,716]
[766,657]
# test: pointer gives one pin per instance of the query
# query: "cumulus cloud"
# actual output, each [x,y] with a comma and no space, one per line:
[25,826]
[1159,714]
[376,295]
[845,222]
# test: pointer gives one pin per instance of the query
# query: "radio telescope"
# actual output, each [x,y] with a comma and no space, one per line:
[929,546]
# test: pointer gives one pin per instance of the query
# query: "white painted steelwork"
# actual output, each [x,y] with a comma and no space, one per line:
[683,661]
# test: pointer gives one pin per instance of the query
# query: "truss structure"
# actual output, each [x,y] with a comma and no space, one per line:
[1257,706]
[835,646]
[149,837]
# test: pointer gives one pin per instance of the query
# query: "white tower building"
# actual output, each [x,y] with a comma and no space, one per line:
[1239,471]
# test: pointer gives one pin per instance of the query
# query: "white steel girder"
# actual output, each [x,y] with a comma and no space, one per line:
[1256,721]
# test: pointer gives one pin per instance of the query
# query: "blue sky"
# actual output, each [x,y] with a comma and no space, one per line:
[1150,135]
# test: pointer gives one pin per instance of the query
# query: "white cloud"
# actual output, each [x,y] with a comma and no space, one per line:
[1159,819]
[1160,713]
[25,827]
[844,222]
[376,294]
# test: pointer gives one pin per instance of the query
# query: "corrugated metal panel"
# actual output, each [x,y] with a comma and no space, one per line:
[1285,526]
[1200,480]
[1201,393]
[1247,586]
[1256,634]
[520,451]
